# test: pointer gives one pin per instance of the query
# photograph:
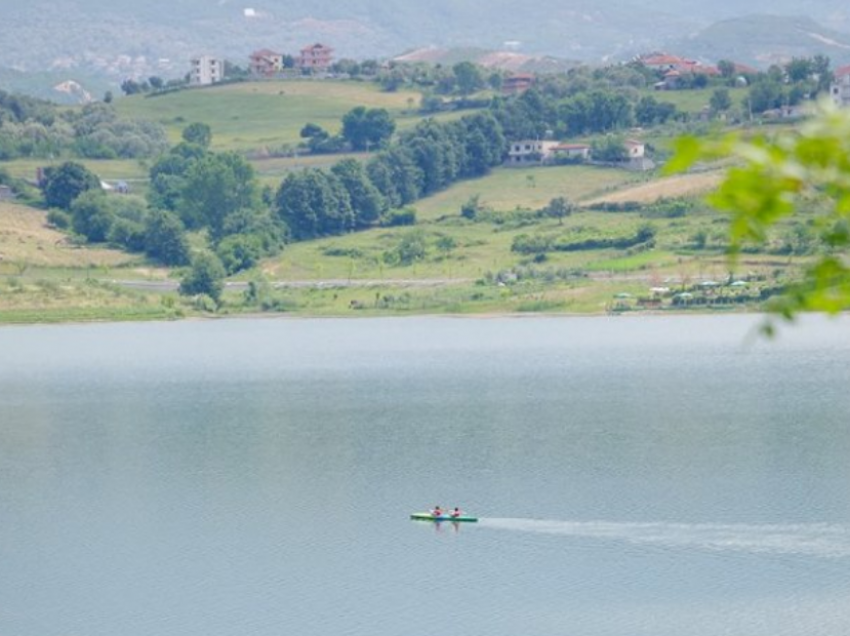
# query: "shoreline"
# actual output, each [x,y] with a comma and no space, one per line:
[490,315]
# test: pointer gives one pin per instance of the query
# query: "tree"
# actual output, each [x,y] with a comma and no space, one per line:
[239,251]
[776,178]
[206,276]
[727,69]
[132,87]
[214,187]
[64,183]
[609,148]
[366,201]
[314,203]
[822,72]
[765,95]
[367,128]
[165,238]
[798,69]
[720,100]
[650,111]
[469,77]
[92,216]
[559,207]
[198,133]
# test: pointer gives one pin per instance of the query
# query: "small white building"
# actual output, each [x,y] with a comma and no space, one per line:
[206,70]
[839,90]
[531,151]
[635,149]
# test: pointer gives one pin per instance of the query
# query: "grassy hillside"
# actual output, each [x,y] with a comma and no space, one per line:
[484,246]
[469,266]
[46,278]
[270,115]
[465,266]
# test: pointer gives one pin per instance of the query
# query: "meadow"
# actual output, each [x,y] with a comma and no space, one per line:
[267,117]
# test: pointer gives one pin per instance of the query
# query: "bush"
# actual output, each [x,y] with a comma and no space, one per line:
[206,276]
[239,251]
[405,216]
[127,234]
[59,219]
[624,206]
[411,248]
[525,244]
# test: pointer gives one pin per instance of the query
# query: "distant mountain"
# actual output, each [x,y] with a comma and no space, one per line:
[125,38]
[762,40]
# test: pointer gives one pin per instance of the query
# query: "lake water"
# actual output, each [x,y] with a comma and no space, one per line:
[648,476]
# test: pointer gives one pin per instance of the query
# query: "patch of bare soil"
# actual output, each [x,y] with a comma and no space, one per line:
[667,187]
[25,238]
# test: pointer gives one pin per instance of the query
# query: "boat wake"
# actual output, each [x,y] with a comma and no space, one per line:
[815,539]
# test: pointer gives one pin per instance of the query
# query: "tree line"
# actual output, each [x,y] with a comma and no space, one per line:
[352,195]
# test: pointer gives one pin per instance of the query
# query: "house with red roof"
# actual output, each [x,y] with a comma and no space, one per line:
[662,61]
[517,83]
[265,63]
[316,58]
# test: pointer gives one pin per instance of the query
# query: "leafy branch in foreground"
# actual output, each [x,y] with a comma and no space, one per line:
[777,176]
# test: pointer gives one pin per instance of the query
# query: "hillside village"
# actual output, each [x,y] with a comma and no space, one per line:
[672,73]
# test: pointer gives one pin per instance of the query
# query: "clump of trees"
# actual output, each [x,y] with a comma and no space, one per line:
[362,129]
[422,161]
[217,193]
[36,128]
[788,85]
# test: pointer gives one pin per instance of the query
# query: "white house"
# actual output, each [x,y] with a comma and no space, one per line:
[635,149]
[206,70]
[531,151]
[839,90]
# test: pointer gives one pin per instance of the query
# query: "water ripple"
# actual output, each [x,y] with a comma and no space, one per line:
[809,539]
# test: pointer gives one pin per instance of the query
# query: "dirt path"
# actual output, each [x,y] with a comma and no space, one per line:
[667,187]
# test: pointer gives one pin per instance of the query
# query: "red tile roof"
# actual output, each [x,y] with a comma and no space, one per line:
[842,71]
[662,59]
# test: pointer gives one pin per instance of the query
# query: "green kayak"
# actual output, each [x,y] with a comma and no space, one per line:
[427,516]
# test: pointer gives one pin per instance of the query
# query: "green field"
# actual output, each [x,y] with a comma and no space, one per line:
[269,115]
[506,189]
[695,101]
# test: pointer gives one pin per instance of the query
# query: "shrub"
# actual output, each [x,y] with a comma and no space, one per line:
[59,218]
[405,216]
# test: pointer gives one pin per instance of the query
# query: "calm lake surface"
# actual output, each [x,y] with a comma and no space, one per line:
[649,476]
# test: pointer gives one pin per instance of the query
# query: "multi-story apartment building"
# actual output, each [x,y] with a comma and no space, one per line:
[206,70]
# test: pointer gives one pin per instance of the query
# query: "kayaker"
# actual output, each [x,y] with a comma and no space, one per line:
[456,512]
[437,511]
